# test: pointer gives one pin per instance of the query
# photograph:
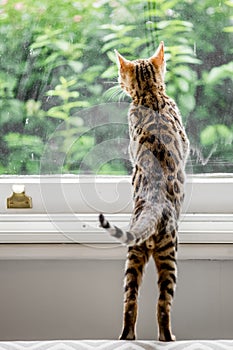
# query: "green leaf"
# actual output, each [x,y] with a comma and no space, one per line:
[187,59]
[70,105]
[76,66]
[177,24]
[111,72]
[187,101]
[229,3]
[213,134]
[185,72]
[56,112]
[183,84]
[219,73]
[228,29]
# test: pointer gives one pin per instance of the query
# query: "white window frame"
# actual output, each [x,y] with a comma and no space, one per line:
[65,210]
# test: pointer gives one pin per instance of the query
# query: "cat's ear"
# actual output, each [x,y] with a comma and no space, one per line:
[123,63]
[158,57]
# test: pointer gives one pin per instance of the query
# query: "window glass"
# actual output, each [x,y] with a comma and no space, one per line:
[61,110]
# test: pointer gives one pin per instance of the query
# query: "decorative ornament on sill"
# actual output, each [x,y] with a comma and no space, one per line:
[19,200]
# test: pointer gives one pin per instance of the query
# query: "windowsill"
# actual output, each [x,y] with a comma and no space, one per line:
[84,228]
[65,210]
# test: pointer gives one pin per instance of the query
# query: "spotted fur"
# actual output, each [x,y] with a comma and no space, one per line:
[158,150]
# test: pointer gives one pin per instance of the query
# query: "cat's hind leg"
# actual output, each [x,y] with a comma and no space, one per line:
[165,260]
[136,259]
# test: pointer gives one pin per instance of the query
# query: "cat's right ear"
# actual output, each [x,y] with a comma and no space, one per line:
[158,57]
[123,64]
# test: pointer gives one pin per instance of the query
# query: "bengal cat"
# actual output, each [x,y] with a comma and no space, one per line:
[158,150]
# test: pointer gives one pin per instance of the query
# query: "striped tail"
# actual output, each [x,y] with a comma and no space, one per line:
[138,232]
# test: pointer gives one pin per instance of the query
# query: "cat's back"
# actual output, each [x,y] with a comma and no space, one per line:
[160,132]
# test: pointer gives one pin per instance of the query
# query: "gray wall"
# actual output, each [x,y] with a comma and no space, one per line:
[80,299]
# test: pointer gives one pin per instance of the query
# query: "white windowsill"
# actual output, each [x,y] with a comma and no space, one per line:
[84,229]
[65,210]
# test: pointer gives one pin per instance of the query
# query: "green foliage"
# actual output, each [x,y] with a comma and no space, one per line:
[77,154]
[115,167]
[69,99]
[57,59]
[25,159]
[214,134]
[218,74]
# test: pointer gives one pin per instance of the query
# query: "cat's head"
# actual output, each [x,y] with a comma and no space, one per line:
[139,75]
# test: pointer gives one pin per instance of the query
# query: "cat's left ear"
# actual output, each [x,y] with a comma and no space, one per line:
[158,57]
[123,63]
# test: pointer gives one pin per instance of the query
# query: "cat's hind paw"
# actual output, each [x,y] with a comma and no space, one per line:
[168,338]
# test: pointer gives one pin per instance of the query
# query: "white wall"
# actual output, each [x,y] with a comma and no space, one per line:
[78,299]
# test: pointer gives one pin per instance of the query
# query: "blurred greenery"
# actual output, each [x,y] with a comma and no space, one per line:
[57,60]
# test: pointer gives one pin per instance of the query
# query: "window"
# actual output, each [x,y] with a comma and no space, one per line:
[63,117]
